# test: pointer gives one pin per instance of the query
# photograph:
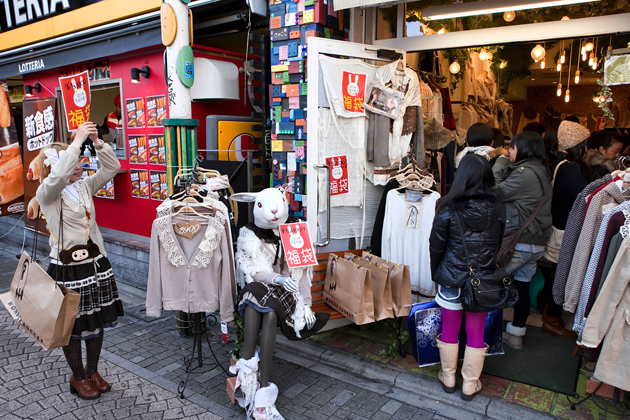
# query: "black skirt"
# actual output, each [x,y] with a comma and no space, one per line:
[100,305]
[275,298]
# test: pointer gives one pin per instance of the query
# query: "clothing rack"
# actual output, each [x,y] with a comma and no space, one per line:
[199,326]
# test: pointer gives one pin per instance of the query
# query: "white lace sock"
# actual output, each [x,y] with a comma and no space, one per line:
[265,404]
[246,382]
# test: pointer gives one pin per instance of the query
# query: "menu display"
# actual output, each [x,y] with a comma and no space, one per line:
[90,166]
[159,185]
[135,113]
[156,150]
[139,183]
[156,110]
[137,149]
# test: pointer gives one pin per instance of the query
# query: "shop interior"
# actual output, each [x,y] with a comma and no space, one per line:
[506,86]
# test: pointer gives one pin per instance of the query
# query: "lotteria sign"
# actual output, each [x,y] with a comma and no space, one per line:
[30,66]
[16,13]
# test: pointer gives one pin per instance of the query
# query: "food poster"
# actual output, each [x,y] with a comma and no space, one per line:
[135,113]
[137,149]
[159,185]
[11,168]
[90,166]
[156,150]
[156,110]
[139,183]
[75,92]
[39,131]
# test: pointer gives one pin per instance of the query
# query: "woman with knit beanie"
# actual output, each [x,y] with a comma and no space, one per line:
[570,176]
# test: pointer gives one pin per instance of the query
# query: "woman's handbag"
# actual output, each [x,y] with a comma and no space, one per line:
[483,292]
[508,246]
[552,249]
[44,308]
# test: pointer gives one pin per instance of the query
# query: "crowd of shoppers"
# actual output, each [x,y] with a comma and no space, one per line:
[497,192]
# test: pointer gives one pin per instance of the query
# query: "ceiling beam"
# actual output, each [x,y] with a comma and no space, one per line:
[531,32]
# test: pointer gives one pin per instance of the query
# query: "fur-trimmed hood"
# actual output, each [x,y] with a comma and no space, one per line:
[596,158]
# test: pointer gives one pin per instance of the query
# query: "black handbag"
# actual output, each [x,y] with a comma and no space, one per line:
[486,291]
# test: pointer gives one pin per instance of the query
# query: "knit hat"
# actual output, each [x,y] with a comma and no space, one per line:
[571,134]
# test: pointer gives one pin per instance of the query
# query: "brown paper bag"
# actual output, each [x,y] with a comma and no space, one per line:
[348,289]
[45,309]
[381,288]
[400,279]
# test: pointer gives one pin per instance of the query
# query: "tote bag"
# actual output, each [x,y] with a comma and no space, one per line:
[348,289]
[400,279]
[45,309]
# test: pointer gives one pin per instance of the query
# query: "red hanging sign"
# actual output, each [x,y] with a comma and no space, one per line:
[353,91]
[297,245]
[338,174]
[76,99]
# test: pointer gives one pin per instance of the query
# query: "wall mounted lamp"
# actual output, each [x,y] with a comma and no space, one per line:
[145,71]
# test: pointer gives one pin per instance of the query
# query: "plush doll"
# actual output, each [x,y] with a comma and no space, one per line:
[273,295]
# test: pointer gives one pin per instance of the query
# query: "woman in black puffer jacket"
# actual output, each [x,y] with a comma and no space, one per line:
[473,198]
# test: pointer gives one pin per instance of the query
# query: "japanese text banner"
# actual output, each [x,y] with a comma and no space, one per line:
[75,90]
[297,245]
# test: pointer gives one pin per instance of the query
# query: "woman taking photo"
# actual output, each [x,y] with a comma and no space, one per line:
[524,181]
[473,199]
[78,258]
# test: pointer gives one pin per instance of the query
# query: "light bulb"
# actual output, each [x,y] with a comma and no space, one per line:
[483,55]
[589,46]
[591,59]
[577,77]
[583,50]
[454,67]
[559,91]
[567,97]
[563,57]
[602,99]
[441,31]
[542,64]
[503,64]
[559,66]
[595,99]
[595,65]
[509,15]
[538,53]
[584,57]
[565,18]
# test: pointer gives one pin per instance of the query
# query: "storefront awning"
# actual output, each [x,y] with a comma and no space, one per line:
[98,46]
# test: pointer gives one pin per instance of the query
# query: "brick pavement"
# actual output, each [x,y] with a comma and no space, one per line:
[143,359]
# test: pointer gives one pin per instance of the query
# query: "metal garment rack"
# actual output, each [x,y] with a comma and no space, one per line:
[199,326]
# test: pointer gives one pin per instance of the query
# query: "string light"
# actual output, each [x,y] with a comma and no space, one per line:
[559,91]
[503,64]
[567,97]
[589,46]
[563,56]
[441,31]
[591,58]
[577,77]
[538,53]
[454,67]
[559,66]
[542,64]
[509,15]
[483,55]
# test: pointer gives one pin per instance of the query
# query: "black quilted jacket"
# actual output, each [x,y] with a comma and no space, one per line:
[483,221]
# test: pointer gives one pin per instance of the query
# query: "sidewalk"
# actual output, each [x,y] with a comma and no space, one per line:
[143,359]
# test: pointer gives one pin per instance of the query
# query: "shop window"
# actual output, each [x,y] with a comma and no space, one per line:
[102,95]
[386,22]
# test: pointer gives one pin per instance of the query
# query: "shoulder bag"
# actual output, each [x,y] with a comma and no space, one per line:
[506,252]
[485,292]
[552,249]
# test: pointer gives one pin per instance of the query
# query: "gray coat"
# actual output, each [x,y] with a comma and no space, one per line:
[523,185]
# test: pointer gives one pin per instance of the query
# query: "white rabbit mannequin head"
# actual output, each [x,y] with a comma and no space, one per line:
[270,206]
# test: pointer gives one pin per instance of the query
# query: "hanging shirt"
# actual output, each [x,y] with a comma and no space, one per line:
[406,231]
[191,275]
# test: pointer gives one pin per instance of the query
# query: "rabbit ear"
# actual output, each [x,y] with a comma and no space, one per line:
[244,197]
[356,79]
[285,187]
[349,77]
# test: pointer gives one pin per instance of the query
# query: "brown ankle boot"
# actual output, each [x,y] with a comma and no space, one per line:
[85,389]
[554,325]
[100,383]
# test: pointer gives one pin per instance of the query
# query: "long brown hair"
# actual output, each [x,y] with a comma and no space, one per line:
[44,170]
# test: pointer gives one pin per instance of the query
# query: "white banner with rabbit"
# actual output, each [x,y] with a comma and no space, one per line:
[346,82]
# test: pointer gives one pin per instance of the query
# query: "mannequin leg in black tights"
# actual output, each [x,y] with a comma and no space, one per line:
[267,345]
[263,325]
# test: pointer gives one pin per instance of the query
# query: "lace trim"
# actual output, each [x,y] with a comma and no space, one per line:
[267,413]
[214,235]
[625,229]
[84,197]
[252,257]
[168,241]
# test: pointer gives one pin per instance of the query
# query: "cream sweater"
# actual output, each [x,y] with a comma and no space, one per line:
[51,197]
[191,275]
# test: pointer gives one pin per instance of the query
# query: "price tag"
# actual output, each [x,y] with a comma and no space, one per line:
[224,331]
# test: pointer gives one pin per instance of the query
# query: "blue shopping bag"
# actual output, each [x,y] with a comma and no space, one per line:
[425,326]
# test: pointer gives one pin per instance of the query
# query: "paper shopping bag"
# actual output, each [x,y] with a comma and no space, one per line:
[400,279]
[381,288]
[348,289]
[44,308]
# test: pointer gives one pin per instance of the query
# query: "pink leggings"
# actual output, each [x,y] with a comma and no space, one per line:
[475,325]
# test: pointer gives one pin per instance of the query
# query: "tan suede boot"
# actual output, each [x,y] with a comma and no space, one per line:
[471,371]
[448,358]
